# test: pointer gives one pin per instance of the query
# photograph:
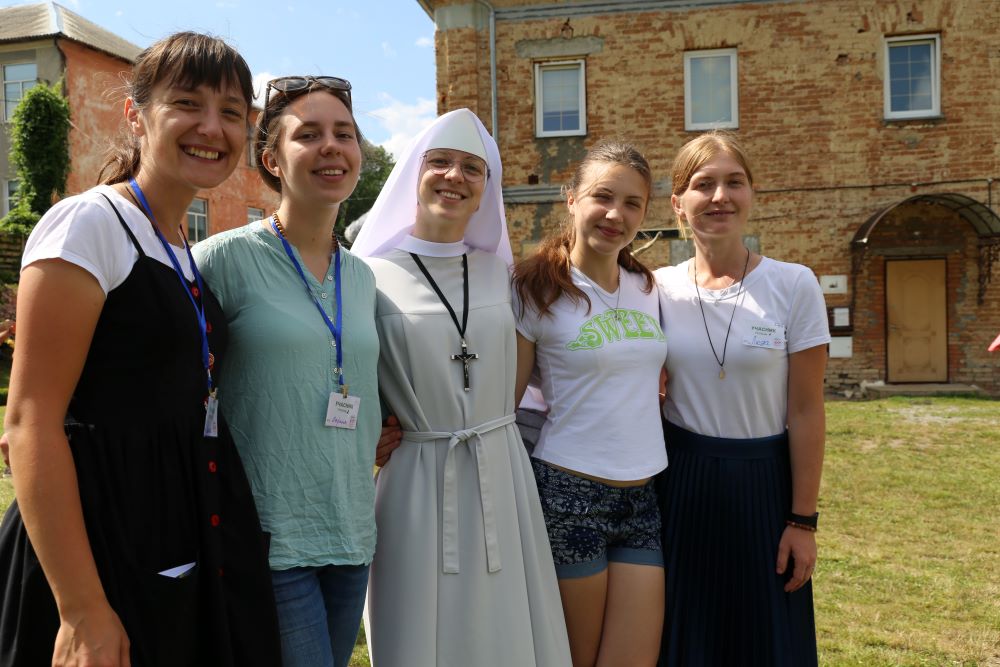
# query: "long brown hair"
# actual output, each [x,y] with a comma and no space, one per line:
[187,59]
[694,154]
[545,276]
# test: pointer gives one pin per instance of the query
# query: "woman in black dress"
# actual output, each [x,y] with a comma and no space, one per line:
[134,539]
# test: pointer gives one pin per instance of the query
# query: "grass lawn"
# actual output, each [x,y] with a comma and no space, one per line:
[909,570]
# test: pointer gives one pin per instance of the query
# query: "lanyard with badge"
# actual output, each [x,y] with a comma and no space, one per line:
[342,409]
[207,359]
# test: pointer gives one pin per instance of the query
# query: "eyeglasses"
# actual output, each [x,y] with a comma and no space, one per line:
[292,86]
[473,170]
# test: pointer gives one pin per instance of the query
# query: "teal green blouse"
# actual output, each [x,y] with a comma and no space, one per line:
[312,483]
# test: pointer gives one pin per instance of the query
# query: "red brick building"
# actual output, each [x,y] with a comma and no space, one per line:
[873,128]
[47,42]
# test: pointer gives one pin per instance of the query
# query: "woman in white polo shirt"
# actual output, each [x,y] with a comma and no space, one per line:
[589,328]
[744,429]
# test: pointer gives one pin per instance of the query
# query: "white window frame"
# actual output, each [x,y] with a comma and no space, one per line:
[251,158]
[734,106]
[4,82]
[900,40]
[539,96]
[196,215]
[8,200]
[254,214]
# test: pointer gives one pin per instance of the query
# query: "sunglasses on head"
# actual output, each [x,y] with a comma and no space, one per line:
[290,85]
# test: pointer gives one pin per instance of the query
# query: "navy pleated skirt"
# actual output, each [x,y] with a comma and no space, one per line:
[724,504]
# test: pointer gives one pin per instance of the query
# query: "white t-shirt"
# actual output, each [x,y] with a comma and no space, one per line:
[599,376]
[83,230]
[781,311]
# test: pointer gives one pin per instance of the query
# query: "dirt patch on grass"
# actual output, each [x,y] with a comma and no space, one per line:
[941,414]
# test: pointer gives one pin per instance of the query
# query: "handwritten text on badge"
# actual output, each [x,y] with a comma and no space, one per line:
[341,411]
[767,335]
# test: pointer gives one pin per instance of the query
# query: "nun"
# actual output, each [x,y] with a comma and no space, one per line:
[463,571]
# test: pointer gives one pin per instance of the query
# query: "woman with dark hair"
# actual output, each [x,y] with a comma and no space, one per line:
[588,328]
[134,539]
[744,429]
[300,387]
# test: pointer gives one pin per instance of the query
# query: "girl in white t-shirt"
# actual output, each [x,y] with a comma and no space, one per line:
[744,429]
[589,329]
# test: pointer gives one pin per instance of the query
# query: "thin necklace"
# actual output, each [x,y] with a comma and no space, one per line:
[618,299]
[465,356]
[736,304]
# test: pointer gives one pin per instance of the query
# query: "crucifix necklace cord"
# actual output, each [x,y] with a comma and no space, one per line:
[465,356]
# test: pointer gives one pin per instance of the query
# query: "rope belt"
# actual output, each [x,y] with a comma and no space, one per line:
[449,509]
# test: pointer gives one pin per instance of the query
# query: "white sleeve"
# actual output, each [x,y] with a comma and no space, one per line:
[526,319]
[808,325]
[83,231]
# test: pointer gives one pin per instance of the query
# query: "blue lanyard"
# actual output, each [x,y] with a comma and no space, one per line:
[199,308]
[335,330]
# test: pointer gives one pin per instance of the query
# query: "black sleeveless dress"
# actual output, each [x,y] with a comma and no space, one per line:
[156,495]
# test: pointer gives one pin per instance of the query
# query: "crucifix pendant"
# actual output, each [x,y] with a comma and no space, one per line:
[722,374]
[465,358]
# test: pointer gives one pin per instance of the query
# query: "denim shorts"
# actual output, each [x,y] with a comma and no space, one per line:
[591,523]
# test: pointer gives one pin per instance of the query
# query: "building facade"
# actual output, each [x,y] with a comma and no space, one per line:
[48,43]
[872,127]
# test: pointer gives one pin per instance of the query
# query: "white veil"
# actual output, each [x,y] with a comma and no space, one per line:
[392,216]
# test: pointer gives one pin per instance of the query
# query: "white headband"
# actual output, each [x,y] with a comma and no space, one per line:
[461,134]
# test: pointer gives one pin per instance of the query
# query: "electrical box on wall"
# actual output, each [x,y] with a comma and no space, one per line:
[839,319]
[841,347]
[833,284]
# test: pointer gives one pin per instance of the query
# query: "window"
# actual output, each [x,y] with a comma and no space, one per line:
[560,99]
[251,159]
[913,76]
[16,80]
[254,214]
[197,220]
[711,97]
[9,195]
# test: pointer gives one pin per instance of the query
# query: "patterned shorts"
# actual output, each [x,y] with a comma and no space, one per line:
[590,523]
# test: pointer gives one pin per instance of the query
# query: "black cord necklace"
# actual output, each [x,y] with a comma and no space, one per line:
[465,357]
[736,304]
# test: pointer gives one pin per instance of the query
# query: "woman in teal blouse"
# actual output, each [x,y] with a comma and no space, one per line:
[300,389]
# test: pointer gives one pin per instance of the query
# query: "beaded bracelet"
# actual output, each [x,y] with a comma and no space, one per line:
[803,526]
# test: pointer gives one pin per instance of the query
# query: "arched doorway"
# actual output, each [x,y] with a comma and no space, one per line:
[924,264]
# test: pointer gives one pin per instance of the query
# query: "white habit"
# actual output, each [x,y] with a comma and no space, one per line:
[463,574]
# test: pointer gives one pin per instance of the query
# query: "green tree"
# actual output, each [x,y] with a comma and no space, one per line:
[39,151]
[376,164]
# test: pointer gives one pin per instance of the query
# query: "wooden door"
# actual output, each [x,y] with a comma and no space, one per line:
[916,313]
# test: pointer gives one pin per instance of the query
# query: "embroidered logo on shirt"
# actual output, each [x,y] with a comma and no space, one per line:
[615,325]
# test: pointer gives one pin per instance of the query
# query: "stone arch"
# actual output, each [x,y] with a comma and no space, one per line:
[979,216]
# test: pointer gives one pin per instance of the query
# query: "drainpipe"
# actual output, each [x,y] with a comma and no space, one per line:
[493,71]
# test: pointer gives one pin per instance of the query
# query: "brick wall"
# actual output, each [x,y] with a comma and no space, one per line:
[811,115]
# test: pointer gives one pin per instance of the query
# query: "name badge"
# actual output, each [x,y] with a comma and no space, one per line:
[770,335]
[342,411]
[212,416]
